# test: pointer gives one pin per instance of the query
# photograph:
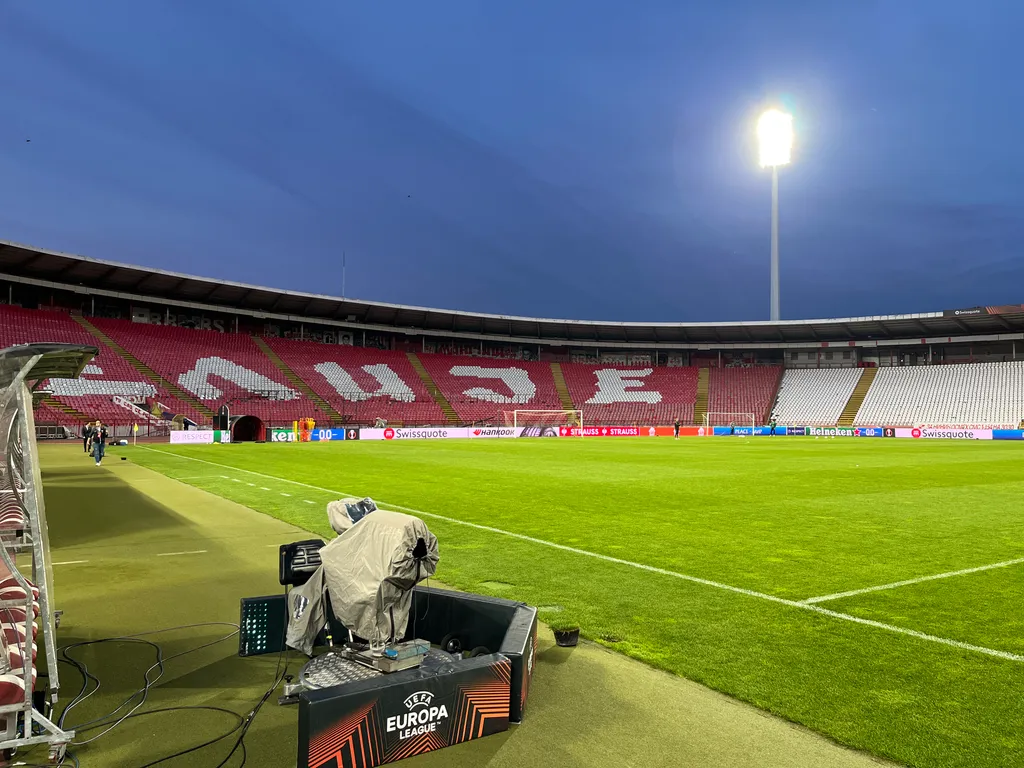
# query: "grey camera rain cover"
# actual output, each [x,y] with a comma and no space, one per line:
[370,571]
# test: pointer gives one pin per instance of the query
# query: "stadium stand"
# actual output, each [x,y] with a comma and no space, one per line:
[45,414]
[92,394]
[626,395]
[965,394]
[361,384]
[743,390]
[814,396]
[217,368]
[479,389]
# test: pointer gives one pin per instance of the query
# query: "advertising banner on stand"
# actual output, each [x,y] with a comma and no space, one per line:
[1008,434]
[199,437]
[327,435]
[670,431]
[602,431]
[417,433]
[757,431]
[830,432]
[493,432]
[281,435]
[137,411]
[1004,309]
[844,431]
[944,434]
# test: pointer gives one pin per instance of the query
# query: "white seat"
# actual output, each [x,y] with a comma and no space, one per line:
[815,396]
[972,394]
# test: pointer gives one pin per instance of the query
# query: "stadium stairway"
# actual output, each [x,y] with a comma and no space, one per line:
[561,387]
[775,397]
[700,407]
[299,384]
[428,382]
[853,405]
[144,369]
[72,413]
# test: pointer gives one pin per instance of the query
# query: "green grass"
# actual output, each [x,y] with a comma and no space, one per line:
[790,518]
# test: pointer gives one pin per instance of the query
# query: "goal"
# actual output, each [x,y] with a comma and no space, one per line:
[541,420]
[726,419]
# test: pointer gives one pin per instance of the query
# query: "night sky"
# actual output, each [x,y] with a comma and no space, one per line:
[564,159]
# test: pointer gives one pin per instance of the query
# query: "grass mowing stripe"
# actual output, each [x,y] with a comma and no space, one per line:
[908,582]
[641,566]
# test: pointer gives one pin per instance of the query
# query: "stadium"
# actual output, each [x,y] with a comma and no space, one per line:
[862,592]
[281,357]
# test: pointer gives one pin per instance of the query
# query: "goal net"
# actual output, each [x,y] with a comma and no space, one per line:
[541,420]
[726,419]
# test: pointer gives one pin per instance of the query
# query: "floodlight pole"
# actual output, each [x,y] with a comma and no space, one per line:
[775,244]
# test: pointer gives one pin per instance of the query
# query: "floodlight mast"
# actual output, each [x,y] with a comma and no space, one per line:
[775,136]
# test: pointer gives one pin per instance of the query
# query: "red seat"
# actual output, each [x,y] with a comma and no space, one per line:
[217,368]
[481,389]
[92,394]
[659,395]
[744,390]
[350,379]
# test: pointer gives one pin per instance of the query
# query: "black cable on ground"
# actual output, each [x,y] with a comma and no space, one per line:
[279,676]
[240,742]
[243,724]
[84,671]
[142,692]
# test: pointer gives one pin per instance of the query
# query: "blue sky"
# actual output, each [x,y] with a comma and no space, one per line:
[572,159]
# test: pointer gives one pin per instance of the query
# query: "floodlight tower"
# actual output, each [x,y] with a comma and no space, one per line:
[775,137]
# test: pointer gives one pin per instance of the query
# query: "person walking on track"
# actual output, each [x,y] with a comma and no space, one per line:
[99,442]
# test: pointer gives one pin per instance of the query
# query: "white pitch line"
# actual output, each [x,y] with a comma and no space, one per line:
[264,489]
[70,562]
[285,494]
[190,552]
[308,501]
[908,582]
[640,566]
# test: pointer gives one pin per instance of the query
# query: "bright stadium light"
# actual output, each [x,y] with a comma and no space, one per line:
[775,137]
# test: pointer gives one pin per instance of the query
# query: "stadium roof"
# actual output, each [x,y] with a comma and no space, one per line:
[27,264]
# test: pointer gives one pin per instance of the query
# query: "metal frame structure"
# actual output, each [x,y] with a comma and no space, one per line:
[746,418]
[573,416]
[24,534]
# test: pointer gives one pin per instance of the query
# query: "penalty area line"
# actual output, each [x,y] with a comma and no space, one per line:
[804,606]
[908,582]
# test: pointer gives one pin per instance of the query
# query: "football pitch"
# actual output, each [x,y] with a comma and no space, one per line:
[868,589]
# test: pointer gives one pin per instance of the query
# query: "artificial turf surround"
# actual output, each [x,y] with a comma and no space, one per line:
[789,517]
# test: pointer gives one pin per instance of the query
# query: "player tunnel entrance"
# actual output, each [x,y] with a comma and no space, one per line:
[247,429]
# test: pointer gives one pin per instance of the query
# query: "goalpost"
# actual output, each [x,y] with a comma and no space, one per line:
[727,419]
[541,420]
